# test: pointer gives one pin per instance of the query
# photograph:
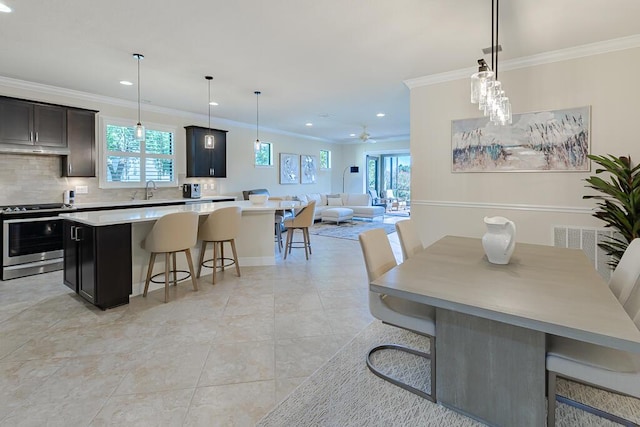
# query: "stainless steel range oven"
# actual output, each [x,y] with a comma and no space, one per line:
[31,239]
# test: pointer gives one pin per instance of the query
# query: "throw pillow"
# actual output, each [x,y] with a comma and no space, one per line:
[334,201]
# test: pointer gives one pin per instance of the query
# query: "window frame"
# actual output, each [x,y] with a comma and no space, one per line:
[255,164]
[103,154]
[328,158]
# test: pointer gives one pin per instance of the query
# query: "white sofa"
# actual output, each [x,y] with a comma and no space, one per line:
[359,203]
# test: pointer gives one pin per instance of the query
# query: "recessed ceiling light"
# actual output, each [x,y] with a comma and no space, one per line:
[308,124]
[213,103]
[352,134]
[380,115]
[126,83]
[4,8]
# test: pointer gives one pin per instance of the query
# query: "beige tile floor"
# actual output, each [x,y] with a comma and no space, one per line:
[222,356]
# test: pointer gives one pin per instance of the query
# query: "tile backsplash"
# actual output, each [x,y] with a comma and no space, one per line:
[28,179]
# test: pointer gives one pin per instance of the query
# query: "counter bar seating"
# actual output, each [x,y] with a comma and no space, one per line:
[222,225]
[399,312]
[176,232]
[302,221]
[594,365]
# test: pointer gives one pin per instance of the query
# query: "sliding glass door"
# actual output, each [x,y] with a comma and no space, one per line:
[390,176]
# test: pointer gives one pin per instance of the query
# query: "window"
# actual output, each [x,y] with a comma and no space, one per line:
[325,159]
[264,156]
[131,163]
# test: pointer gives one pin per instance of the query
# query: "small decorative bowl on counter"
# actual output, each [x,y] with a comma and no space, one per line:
[258,199]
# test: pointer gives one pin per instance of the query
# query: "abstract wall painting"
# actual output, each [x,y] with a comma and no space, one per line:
[544,141]
[289,168]
[308,168]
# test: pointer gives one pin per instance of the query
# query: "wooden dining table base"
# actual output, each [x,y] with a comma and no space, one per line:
[489,370]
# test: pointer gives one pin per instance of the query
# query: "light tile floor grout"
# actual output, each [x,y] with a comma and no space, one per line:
[225,355]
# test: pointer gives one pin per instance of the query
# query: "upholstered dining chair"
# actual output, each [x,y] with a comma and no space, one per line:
[302,221]
[176,232]
[594,365]
[409,239]
[627,272]
[221,226]
[409,315]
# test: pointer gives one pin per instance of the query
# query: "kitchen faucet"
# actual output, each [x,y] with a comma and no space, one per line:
[149,193]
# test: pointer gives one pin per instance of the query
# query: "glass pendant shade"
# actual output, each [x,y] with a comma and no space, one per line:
[209,141]
[139,132]
[479,82]
[258,145]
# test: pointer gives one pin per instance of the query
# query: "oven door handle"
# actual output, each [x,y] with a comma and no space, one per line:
[48,218]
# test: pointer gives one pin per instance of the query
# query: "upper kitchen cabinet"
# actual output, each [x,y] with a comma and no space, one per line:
[205,162]
[81,139]
[29,123]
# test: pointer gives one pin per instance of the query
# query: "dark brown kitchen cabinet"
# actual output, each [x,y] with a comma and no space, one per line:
[81,139]
[29,123]
[206,162]
[97,262]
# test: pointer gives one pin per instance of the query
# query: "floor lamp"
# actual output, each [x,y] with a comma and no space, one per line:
[353,169]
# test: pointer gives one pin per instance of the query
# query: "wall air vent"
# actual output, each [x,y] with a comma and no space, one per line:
[587,239]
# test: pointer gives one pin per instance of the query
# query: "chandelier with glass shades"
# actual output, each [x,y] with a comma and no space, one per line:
[486,89]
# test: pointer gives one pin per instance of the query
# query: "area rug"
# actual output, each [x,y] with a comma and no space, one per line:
[348,230]
[343,392]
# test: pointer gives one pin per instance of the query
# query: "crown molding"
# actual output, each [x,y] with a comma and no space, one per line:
[117,102]
[597,48]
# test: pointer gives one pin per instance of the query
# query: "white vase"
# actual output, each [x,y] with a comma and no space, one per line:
[500,239]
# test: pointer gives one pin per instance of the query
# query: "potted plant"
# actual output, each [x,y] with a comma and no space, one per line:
[619,201]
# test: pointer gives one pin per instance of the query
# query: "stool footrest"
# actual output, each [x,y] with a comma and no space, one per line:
[179,279]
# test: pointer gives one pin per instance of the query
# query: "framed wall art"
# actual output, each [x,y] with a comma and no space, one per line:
[289,168]
[544,141]
[308,169]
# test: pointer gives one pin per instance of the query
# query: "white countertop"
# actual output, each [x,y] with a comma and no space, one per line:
[135,202]
[152,213]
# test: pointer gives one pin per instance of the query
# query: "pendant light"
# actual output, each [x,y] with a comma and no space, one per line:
[139,132]
[258,144]
[209,140]
[486,89]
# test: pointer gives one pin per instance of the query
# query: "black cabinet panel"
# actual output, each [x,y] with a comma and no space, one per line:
[206,162]
[70,263]
[16,122]
[97,262]
[81,139]
[29,123]
[50,125]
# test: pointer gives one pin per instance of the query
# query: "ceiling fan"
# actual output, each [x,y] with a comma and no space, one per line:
[365,137]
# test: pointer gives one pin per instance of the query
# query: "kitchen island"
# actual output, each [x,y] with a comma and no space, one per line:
[114,238]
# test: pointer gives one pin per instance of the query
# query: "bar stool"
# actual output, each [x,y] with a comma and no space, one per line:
[222,225]
[279,223]
[176,232]
[302,222]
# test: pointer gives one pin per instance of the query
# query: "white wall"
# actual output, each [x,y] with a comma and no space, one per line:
[36,179]
[447,203]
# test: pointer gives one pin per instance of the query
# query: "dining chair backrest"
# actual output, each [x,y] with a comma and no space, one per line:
[221,225]
[173,232]
[304,218]
[409,239]
[627,273]
[377,252]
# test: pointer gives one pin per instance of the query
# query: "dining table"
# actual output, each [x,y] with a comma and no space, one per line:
[492,321]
